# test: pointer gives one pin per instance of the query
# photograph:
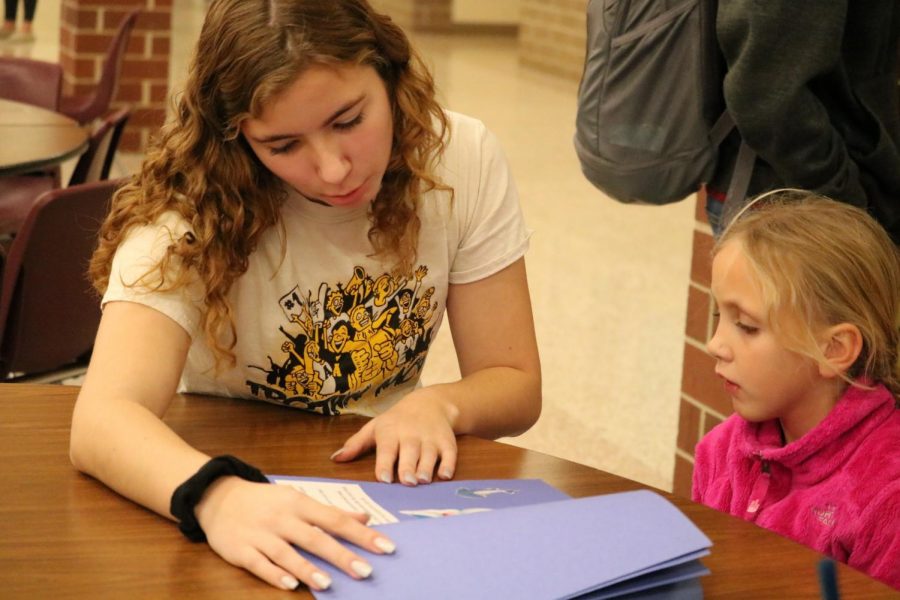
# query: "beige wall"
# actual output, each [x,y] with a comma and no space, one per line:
[552,36]
[481,12]
[428,15]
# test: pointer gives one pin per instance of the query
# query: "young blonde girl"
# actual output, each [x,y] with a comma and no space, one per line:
[808,291]
[295,236]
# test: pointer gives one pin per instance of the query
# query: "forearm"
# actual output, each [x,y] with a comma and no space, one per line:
[127,447]
[492,402]
[499,393]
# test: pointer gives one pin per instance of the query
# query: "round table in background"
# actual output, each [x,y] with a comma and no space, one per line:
[33,138]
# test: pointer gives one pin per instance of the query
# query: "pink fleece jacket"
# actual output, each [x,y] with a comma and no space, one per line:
[836,489]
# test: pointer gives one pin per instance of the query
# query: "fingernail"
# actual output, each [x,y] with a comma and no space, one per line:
[385,477]
[360,568]
[424,478]
[385,545]
[335,454]
[410,479]
[289,583]
[322,580]
[446,474]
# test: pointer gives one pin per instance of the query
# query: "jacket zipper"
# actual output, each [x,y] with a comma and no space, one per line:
[760,489]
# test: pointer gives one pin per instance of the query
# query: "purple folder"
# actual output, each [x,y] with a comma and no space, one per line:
[620,543]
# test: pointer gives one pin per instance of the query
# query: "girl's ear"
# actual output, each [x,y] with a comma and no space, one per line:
[842,345]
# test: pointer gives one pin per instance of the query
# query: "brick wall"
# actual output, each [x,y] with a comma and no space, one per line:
[423,15]
[704,403]
[86,29]
[552,36]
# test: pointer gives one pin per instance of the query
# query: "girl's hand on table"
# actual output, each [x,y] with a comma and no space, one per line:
[415,435]
[253,526]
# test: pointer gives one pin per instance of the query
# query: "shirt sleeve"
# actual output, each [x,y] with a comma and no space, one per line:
[876,550]
[492,232]
[135,275]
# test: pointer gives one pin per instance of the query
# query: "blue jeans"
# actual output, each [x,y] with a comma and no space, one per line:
[714,209]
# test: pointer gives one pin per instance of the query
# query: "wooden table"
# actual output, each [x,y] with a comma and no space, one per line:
[33,138]
[65,534]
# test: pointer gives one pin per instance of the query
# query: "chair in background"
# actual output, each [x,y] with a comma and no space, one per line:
[48,311]
[85,109]
[34,82]
[19,192]
[96,163]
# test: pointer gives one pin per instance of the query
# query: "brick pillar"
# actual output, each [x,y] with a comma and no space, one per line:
[553,35]
[86,29]
[418,15]
[704,403]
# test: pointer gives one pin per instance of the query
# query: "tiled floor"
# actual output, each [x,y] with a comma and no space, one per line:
[608,282]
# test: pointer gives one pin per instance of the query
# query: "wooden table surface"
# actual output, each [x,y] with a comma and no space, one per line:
[65,534]
[33,138]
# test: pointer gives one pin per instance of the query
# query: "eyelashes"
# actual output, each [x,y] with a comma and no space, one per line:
[347,125]
[341,127]
[748,329]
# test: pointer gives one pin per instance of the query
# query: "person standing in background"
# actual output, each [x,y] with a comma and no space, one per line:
[9,24]
[812,87]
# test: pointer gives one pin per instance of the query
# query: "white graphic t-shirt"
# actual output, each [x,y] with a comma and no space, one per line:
[321,325]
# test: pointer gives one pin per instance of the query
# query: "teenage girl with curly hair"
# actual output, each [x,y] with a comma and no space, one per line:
[295,235]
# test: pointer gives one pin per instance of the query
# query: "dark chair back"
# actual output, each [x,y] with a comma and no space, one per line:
[96,162]
[33,82]
[85,109]
[19,192]
[49,312]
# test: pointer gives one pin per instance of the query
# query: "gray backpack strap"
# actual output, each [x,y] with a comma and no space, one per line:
[723,126]
[736,197]
[740,177]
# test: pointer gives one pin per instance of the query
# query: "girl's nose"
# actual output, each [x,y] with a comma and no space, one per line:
[717,347]
[332,164]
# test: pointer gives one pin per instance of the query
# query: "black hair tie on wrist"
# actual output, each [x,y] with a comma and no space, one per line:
[188,494]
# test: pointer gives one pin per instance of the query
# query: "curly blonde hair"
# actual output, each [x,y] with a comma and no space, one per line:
[200,166]
[820,263]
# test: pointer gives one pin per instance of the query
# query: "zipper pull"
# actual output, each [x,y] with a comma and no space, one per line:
[758,494]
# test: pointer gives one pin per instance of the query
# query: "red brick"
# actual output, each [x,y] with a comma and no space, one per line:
[137,44]
[83,88]
[80,18]
[148,117]
[85,68]
[700,209]
[710,420]
[130,140]
[698,380]
[126,3]
[159,92]
[160,45]
[681,482]
[65,38]
[698,311]
[145,68]
[97,43]
[156,20]
[130,92]
[701,258]
[688,427]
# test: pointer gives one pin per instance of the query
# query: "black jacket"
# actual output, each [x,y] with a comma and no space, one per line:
[812,87]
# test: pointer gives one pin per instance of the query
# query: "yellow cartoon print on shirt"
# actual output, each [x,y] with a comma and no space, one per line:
[339,344]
